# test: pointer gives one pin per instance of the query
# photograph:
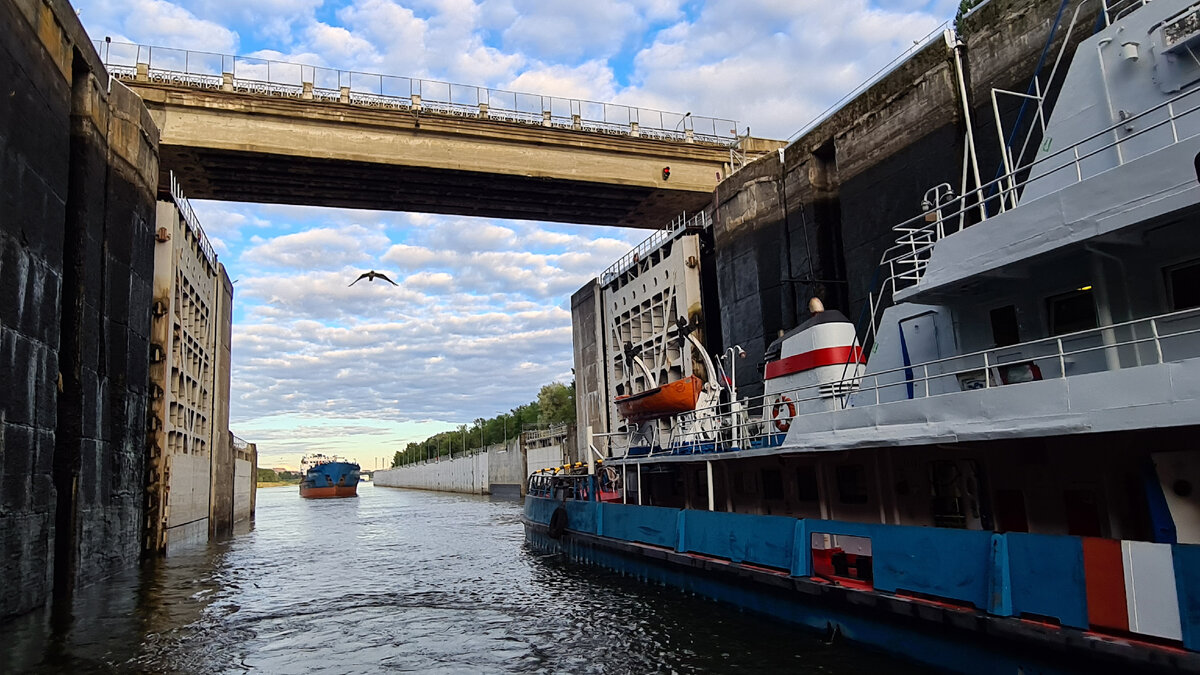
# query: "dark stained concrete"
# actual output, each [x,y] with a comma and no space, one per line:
[78,165]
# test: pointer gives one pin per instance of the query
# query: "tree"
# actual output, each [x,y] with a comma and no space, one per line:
[964,7]
[267,476]
[556,403]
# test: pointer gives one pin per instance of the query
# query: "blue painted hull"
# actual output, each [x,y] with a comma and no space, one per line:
[960,618]
[331,479]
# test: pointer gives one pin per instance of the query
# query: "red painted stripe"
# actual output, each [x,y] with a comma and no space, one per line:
[829,356]
[1104,576]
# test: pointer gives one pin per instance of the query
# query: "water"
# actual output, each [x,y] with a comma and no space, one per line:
[403,581]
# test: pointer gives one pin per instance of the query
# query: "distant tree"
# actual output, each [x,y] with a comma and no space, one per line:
[267,476]
[964,7]
[556,403]
[398,458]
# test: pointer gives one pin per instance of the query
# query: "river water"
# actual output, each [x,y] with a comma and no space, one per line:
[402,581]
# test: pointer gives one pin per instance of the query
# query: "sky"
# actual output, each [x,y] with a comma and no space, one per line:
[481,318]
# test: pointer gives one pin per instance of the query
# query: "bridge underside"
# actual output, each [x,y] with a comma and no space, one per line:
[239,146]
[239,176]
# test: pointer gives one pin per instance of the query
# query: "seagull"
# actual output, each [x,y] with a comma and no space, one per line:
[372,276]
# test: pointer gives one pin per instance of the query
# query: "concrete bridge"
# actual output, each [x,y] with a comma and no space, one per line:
[241,129]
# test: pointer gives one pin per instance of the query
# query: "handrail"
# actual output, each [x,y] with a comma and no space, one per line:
[698,221]
[211,70]
[916,241]
[193,223]
[756,417]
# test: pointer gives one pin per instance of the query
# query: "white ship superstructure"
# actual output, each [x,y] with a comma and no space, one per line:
[1010,430]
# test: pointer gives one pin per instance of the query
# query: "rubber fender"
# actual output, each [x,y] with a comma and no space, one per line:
[558,522]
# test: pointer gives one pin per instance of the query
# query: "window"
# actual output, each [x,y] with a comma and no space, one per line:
[806,484]
[852,483]
[1072,312]
[772,483]
[1183,285]
[1004,326]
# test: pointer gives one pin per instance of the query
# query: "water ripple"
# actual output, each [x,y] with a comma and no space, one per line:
[403,581]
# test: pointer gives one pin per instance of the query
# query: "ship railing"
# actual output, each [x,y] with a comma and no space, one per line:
[641,253]
[905,262]
[1114,10]
[763,421]
[270,77]
[576,487]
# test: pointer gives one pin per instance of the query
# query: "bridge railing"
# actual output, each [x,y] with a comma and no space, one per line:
[208,70]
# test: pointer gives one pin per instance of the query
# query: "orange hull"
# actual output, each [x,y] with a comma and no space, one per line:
[327,492]
[669,399]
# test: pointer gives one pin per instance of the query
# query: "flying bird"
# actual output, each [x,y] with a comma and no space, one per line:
[372,276]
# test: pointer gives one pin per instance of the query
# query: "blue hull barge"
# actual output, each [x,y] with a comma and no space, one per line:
[329,477]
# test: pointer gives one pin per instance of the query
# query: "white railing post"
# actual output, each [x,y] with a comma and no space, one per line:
[711,497]
[639,481]
[1157,342]
[591,457]
[987,372]
[925,377]
[1062,360]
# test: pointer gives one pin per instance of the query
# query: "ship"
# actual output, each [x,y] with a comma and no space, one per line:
[995,470]
[328,476]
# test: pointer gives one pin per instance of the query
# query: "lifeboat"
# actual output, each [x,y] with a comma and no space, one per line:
[665,400]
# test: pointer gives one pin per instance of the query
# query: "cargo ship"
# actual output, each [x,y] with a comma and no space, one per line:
[328,476]
[995,470]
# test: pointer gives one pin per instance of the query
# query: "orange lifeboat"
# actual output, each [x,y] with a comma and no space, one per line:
[671,398]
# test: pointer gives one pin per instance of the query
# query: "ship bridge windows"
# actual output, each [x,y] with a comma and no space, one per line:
[1183,285]
[1004,326]
[1072,312]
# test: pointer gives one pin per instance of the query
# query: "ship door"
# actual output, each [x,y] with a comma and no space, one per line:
[954,493]
[918,345]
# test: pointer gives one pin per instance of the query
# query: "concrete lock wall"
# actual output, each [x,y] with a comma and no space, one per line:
[506,470]
[243,489]
[548,457]
[499,470]
[461,474]
[79,164]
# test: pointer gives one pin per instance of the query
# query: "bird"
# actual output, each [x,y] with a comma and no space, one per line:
[372,276]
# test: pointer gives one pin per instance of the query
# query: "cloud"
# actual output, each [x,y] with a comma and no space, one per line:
[156,22]
[319,248]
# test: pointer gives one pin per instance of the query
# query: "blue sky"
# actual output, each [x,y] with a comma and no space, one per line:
[482,317]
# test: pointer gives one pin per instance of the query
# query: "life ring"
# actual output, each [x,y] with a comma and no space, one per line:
[783,423]
[558,523]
